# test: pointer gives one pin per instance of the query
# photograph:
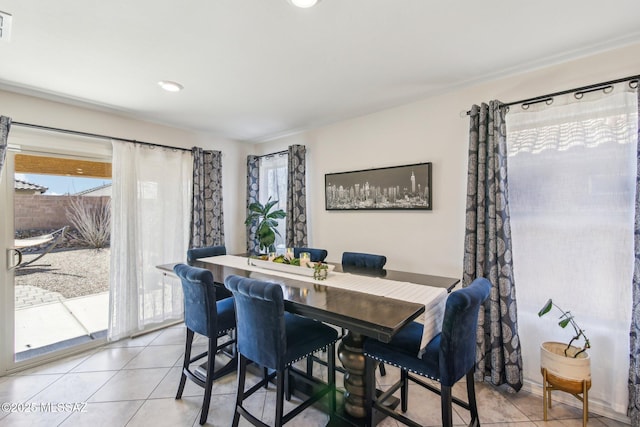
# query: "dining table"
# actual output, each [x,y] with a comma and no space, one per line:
[365,303]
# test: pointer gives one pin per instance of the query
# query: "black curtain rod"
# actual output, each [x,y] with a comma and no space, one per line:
[580,90]
[95,135]
[277,153]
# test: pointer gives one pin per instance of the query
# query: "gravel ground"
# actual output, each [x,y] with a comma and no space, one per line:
[73,273]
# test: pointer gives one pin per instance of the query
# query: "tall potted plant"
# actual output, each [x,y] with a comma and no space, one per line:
[267,223]
[566,360]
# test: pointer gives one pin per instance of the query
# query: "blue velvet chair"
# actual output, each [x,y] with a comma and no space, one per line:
[212,318]
[274,339]
[209,251]
[206,252]
[448,357]
[364,261]
[317,255]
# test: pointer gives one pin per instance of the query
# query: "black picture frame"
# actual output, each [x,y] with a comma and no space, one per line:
[406,187]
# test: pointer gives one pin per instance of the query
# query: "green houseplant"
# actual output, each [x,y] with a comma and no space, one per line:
[565,365]
[267,221]
[566,318]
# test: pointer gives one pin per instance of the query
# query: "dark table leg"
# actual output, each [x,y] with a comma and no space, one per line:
[352,358]
[351,409]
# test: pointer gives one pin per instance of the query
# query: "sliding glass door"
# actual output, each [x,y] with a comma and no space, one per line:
[55,233]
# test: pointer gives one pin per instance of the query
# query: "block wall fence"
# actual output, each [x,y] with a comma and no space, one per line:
[40,212]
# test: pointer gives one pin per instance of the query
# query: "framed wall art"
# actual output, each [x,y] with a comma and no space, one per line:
[406,187]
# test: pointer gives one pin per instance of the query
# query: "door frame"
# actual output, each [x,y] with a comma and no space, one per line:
[7,288]
[36,143]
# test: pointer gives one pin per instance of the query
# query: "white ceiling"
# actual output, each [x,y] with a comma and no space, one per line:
[257,69]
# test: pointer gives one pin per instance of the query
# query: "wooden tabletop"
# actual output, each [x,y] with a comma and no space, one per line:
[370,315]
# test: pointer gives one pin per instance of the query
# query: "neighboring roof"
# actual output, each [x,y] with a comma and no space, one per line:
[92,190]
[24,185]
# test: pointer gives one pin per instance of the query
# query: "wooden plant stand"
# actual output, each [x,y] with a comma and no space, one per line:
[578,388]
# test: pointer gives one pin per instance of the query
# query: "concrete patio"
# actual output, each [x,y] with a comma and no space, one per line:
[45,319]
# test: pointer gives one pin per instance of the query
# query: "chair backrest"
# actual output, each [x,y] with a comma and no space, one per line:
[260,321]
[200,310]
[362,260]
[317,255]
[196,253]
[458,338]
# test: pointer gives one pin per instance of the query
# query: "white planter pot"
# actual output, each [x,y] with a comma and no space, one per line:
[553,359]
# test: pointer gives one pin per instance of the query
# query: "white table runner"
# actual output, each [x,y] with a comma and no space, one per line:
[433,298]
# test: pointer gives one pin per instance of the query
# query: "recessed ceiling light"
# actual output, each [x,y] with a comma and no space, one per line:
[170,86]
[304,3]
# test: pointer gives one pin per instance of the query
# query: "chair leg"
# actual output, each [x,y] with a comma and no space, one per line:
[471,396]
[310,366]
[369,389]
[445,402]
[208,385]
[234,349]
[383,371]
[331,377]
[185,363]
[404,390]
[242,372]
[280,376]
[287,385]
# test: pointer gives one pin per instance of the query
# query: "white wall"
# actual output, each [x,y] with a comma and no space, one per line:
[431,130]
[28,109]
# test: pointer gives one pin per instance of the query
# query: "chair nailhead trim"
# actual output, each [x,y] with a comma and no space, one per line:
[309,354]
[422,374]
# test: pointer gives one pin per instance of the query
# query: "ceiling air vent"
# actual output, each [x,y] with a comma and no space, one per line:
[5,26]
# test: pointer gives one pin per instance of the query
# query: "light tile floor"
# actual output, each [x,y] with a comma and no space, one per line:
[133,383]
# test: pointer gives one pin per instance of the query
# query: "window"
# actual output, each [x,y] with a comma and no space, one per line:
[572,171]
[273,184]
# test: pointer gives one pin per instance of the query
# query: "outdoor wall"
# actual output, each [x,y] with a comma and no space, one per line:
[41,212]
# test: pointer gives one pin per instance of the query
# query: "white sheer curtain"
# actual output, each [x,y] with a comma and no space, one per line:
[151,204]
[273,183]
[572,168]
